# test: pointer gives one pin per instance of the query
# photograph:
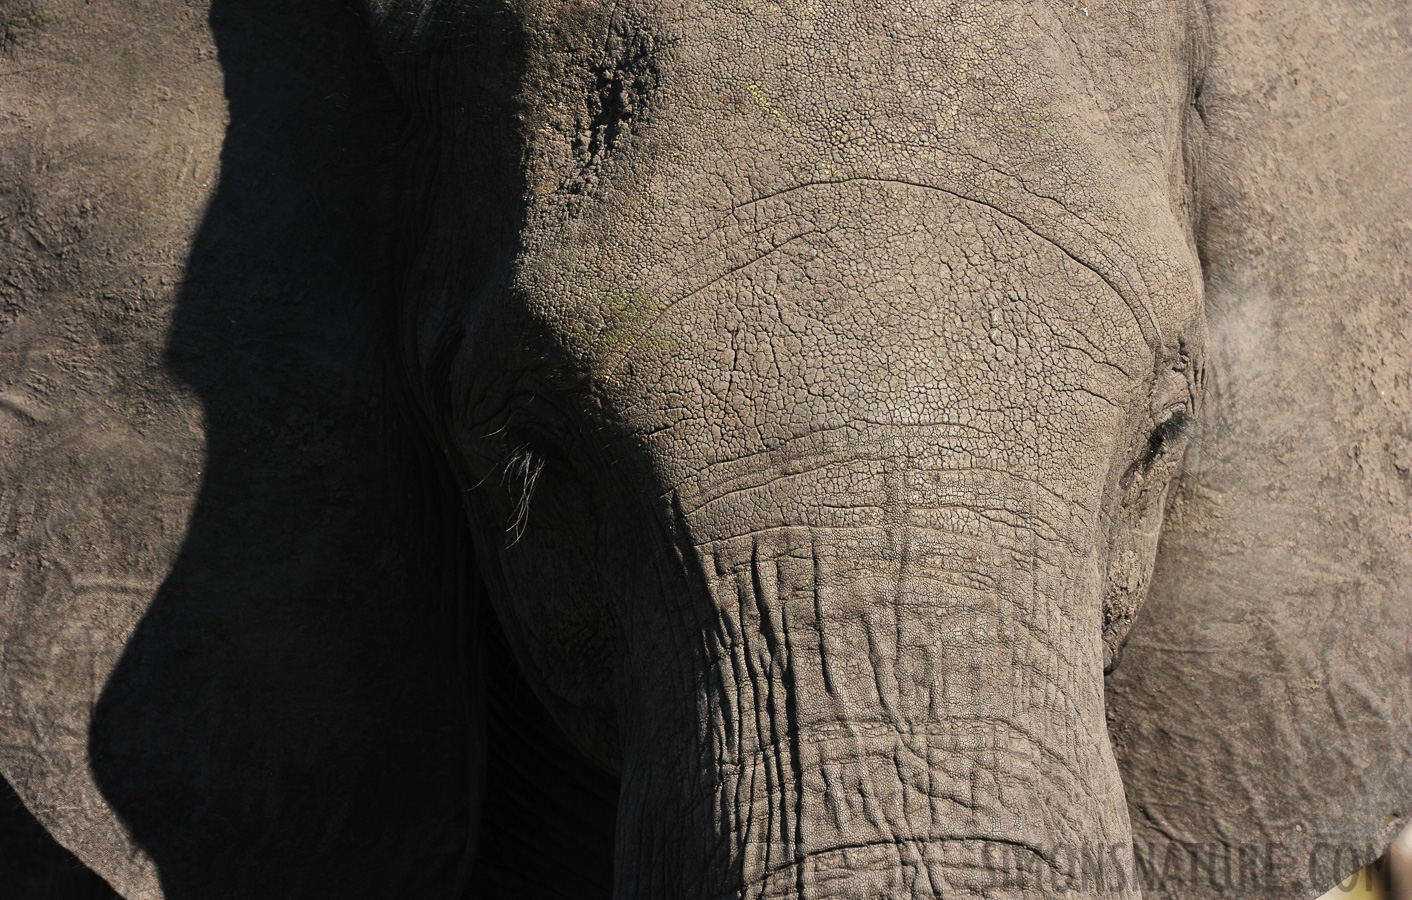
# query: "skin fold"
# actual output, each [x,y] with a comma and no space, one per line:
[681,450]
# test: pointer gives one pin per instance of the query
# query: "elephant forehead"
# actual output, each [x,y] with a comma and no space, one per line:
[907,308]
[743,119]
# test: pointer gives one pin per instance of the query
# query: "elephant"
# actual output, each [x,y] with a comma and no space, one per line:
[765,448]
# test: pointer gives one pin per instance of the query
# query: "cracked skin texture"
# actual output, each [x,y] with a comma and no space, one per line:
[810,378]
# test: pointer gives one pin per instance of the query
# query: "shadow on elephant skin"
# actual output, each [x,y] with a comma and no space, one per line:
[34,866]
[301,711]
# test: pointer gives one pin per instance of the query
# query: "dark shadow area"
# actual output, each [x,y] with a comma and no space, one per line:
[33,866]
[550,814]
[293,715]
[301,711]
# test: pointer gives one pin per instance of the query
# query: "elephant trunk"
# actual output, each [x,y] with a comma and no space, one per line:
[900,700]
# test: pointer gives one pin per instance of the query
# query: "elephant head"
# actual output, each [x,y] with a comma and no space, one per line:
[814,374]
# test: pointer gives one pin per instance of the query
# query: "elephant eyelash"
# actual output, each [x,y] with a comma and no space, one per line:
[524,466]
[532,452]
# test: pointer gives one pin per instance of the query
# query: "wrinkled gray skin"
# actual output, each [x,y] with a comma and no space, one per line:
[798,387]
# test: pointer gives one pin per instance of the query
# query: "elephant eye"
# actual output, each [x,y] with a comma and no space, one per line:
[1169,433]
[536,454]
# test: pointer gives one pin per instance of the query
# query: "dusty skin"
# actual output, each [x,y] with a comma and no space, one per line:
[738,449]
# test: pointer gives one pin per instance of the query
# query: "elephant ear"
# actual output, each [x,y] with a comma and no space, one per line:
[1263,711]
[237,655]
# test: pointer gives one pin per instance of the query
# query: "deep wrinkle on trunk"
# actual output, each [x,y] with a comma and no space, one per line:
[901,700]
